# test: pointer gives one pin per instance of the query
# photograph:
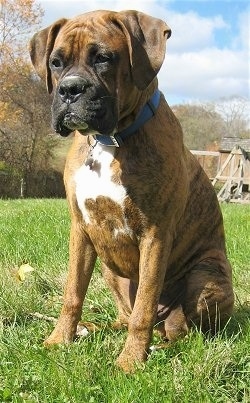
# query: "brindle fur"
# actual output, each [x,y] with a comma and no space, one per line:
[171,270]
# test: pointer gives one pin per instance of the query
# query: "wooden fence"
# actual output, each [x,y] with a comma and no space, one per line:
[229,172]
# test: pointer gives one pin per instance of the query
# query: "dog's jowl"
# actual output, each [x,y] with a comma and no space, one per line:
[138,198]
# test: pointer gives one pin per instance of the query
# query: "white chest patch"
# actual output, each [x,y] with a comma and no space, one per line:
[91,183]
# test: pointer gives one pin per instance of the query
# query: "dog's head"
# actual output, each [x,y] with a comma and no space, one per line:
[98,64]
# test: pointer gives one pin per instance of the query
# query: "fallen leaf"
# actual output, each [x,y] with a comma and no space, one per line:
[23,271]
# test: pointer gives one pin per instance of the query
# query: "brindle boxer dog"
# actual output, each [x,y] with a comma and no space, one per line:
[138,198]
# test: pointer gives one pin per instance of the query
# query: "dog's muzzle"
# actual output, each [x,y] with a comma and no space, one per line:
[69,91]
[78,105]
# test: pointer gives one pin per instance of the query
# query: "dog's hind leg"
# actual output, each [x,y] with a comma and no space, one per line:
[124,292]
[209,296]
[202,299]
[171,322]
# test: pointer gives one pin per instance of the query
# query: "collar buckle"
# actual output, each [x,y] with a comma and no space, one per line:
[117,141]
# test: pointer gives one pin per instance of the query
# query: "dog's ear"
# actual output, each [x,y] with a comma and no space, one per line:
[146,37]
[41,46]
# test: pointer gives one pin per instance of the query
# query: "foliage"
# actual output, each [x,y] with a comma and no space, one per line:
[204,125]
[17,17]
[25,142]
[200,126]
[235,112]
[192,370]
[23,133]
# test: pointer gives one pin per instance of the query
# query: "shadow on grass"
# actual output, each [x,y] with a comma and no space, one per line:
[239,323]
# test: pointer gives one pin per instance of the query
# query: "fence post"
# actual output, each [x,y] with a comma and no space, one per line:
[22,188]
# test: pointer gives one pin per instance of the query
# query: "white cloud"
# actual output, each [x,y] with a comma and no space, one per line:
[71,8]
[190,31]
[211,73]
[242,40]
[196,69]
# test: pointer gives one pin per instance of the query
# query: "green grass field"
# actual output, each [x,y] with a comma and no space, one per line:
[192,370]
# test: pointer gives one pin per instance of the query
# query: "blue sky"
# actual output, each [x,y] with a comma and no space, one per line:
[227,9]
[208,53]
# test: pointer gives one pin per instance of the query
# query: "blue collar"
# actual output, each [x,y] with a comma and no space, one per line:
[147,112]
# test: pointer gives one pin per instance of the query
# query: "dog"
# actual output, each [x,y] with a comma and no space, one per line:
[138,198]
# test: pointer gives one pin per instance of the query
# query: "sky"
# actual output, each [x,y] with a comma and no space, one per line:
[208,55]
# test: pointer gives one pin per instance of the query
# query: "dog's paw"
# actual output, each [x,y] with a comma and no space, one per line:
[58,337]
[53,341]
[117,325]
[130,362]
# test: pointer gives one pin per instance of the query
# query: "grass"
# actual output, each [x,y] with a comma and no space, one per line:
[192,370]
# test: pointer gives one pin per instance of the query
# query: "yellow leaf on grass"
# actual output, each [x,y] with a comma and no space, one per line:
[23,271]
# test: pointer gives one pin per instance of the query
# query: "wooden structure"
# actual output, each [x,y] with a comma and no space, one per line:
[232,178]
[235,176]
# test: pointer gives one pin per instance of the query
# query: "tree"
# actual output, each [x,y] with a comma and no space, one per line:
[18,18]
[26,146]
[25,143]
[201,126]
[204,125]
[235,112]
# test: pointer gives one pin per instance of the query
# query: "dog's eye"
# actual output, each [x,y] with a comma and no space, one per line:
[55,63]
[101,58]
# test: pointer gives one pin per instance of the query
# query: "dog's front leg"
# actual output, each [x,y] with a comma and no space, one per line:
[153,263]
[81,263]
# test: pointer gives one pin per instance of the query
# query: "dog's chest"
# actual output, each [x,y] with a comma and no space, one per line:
[102,202]
[98,196]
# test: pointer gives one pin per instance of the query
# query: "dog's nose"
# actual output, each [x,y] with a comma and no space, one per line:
[71,88]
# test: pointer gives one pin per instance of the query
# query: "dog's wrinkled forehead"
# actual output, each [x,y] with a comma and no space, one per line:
[85,28]
[82,34]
